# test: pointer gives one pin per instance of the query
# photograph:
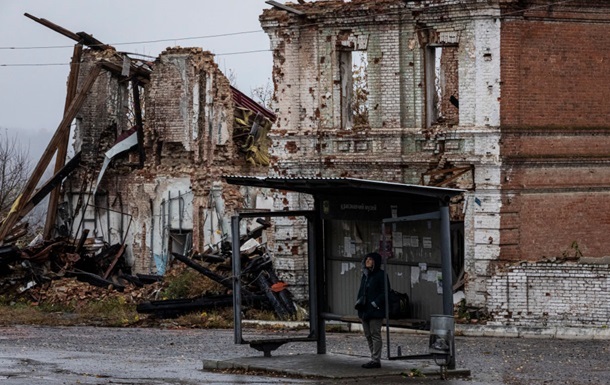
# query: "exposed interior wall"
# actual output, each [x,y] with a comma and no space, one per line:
[175,200]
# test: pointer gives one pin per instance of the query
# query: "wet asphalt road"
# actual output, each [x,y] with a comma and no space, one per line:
[90,355]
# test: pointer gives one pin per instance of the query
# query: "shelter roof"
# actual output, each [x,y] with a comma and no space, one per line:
[343,186]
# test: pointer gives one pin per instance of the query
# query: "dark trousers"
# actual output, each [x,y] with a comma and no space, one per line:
[372,332]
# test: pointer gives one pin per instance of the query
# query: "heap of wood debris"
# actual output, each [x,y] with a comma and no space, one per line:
[65,271]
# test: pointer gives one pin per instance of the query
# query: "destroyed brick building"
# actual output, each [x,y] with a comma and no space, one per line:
[151,141]
[501,98]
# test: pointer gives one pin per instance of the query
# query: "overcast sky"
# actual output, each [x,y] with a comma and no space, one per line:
[32,97]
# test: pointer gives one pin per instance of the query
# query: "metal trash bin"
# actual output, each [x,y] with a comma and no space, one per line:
[442,330]
[442,344]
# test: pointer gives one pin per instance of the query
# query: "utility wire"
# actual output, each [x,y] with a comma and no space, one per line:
[464,8]
[430,11]
[67,64]
[34,64]
[143,41]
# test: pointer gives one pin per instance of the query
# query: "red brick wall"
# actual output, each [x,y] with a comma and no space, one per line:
[550,223]
[555,139]
[556,186]
[555,74]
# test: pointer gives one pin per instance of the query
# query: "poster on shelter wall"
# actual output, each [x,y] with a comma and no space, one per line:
[386,249]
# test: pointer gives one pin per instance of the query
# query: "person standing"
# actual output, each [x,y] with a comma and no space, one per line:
[371,306]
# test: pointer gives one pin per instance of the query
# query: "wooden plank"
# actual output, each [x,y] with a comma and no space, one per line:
[114,261]
[454,177]
[143,75]
[285,7]
[62,149]
[16,212]
[55,27]
[52,183]
[79,37]
[447,170]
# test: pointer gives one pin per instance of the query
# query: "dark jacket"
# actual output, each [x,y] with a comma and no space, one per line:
[372,288]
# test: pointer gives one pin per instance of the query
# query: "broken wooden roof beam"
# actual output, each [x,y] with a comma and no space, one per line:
[18,211]
[62,146]
[80,37]
[91,42]
[142,73]
[285,7]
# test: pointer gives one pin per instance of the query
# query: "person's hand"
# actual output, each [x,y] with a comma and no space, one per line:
[374,305]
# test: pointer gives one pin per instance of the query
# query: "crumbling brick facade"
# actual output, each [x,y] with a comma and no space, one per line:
[166,194]
[500,98]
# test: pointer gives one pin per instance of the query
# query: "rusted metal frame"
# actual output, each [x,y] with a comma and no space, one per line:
[17,211]
[44,253]
[62,149]
[137,109]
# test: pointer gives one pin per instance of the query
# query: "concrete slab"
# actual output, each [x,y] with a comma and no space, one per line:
[332,366]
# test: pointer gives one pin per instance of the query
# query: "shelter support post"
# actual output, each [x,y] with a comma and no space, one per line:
[446,260]
[270,344]
[236,261]
[445,237]
[447,274]
[316,276]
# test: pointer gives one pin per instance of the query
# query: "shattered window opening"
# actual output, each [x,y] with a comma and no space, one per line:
[129,106]
[442,85]
[360,102]
[354,88]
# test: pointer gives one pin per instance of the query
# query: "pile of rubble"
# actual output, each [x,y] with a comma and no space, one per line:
[261,287]
[65,271]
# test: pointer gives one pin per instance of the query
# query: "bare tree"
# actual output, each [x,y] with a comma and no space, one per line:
[263,94]
[14,170]
[231,76]
[360,101]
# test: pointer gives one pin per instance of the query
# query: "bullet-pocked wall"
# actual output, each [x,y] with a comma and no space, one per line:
[458,95]
[432,99]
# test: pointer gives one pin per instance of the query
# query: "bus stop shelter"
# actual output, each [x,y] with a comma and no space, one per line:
[386,203]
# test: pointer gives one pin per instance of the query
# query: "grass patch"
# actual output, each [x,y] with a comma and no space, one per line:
[110,312]
[67,301]
[216,319]
[187,283]
[106,312]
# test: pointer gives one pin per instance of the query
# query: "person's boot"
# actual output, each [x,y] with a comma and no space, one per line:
[372,365]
